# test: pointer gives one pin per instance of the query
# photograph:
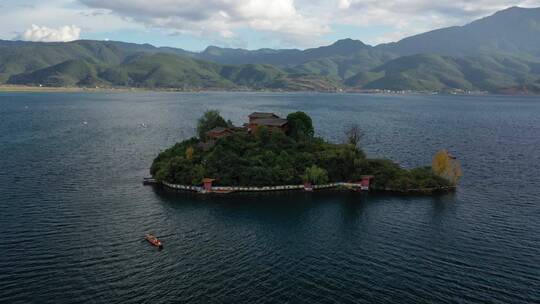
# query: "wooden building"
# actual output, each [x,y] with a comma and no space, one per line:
[261,115]
[269,120]
[219,132]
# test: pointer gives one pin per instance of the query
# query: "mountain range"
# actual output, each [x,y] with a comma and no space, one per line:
[499,54]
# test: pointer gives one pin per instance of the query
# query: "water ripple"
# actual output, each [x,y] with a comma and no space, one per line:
[73,212]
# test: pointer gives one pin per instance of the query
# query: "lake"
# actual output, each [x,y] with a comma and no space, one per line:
[73,211]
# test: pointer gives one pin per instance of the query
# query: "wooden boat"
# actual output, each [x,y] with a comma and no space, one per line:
[152,239]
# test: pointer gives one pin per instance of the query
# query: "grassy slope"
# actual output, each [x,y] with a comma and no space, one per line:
[493,73]
[346,63]
[170,71]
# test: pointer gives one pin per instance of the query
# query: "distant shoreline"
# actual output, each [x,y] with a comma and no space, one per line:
[25,88]
[43,89]
[30,89]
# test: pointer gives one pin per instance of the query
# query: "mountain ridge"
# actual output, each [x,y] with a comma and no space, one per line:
[508,31]
[498,53]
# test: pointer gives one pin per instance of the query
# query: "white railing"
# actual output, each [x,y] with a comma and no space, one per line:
[260,189]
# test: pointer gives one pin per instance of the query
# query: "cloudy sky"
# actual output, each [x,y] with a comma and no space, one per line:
[194,24]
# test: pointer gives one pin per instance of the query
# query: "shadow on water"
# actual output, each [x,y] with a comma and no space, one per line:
[348,209]
[261,200]
[443,203]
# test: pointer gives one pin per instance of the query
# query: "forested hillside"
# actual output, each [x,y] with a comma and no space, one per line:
[499,54]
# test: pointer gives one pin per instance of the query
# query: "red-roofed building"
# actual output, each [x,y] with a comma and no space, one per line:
[219,132]
[261,115]
[269,120]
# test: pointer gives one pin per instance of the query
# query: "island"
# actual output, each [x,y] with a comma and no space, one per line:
[270,153]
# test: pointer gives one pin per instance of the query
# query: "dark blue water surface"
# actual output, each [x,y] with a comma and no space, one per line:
[73,211]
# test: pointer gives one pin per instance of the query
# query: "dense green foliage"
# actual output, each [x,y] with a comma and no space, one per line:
[273,158]
[210,120]
[258,160]
[315,175]
[389,175]
[300,126]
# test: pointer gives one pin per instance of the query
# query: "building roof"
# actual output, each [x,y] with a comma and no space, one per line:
[256,115]
[219,130]
[271,122]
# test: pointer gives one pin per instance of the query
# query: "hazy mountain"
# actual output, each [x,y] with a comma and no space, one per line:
[286,57]
[242,56]
[338,61]
[499,53]
[514,31]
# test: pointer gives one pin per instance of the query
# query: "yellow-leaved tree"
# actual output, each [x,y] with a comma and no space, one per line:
[189,153]
[447,166]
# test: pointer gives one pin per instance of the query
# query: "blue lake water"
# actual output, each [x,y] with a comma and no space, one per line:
[73,211]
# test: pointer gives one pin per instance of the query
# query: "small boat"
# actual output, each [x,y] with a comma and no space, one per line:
[152,239]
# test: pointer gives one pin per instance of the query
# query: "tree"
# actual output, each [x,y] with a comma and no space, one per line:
[300,126]
[189,153]
[197,174]
[446,166]
[263,134]
[315,175]
[210,119]
[353,134]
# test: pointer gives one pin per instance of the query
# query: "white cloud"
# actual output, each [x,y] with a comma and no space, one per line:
[46,34]
[407,17]
[344,4]
[302,22]
[276,23]
[16,19]
[219,18]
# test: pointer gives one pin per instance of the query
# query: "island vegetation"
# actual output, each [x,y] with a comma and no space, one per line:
[270,151]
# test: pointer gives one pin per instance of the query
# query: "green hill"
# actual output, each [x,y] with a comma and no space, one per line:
[68,73]
[496,73]
[341,67]
[499,53]
[252,75]
[421,73]
[337,61]
[23,57]
[171,72]
[167,71]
